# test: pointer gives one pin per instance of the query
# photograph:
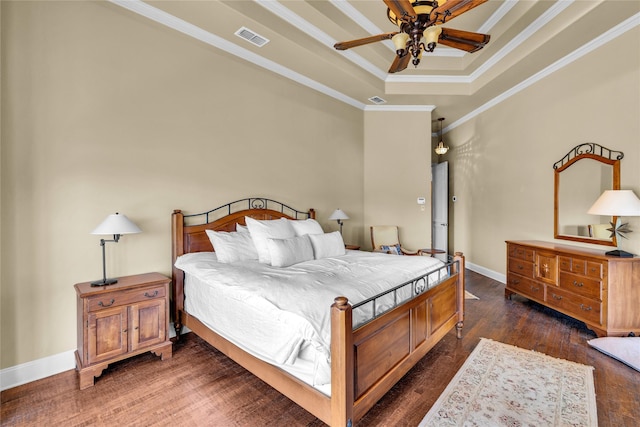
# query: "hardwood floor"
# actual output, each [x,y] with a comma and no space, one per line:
[199,386]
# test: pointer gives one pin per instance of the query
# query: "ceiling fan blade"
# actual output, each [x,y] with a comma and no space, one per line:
[449,9]
[402,9]
[463,40]
[400,63]
[366,40]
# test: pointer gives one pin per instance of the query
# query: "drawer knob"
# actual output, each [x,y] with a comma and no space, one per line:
[515,281]
[534,289]
[585,307]
[575,283]
[558,297]
[101,304]
[148,295]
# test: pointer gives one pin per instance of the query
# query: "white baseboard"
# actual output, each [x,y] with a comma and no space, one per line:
[499,277]
[47,366]
[37,369]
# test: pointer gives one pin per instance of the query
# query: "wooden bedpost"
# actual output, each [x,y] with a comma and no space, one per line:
[177,284]
[342,387]
[458,256]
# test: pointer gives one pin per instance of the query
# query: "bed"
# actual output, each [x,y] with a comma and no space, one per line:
[370,341]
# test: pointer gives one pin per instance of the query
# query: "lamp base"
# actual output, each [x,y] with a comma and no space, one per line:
[619,253]
[104,282]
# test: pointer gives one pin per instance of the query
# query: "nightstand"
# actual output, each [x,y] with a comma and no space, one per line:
[352,247]
[121,320]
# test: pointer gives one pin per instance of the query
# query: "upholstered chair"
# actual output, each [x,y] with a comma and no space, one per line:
[385,238]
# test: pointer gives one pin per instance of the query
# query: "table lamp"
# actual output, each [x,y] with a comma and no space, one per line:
[617,203]
[339,215]
[115,224]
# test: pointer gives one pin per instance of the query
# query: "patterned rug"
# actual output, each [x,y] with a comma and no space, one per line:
[503,385]
[469,295]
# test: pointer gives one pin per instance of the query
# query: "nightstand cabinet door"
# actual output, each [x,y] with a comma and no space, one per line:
[147,324]
[107,334]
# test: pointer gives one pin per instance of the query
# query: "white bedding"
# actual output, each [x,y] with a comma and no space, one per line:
[279,314]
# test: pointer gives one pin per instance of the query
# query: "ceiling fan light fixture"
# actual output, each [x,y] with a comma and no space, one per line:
[400,42]
[420,7]
[431,35]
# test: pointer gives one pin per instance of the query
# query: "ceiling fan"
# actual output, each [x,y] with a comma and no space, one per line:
[420,19]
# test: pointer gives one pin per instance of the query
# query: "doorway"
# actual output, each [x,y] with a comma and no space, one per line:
[440,207]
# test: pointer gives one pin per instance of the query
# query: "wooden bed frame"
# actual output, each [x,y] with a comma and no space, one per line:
[365,362]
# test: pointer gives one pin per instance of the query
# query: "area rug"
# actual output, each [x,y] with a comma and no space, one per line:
[469,295]
[624,349]
[503,385]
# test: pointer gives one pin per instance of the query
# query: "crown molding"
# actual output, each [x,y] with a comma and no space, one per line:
[198,33]
[419,108]
[589,47]
[191,30]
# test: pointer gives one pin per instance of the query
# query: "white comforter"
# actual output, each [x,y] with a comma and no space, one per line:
[280,310]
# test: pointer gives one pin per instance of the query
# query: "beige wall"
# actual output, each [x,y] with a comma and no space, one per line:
[98,105]
[104,111]
[397,170]
[501,161]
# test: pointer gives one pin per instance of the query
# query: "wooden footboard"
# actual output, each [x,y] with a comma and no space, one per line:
[366,361]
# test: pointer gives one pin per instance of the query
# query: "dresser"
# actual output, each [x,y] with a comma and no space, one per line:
[121,320]
[601,291]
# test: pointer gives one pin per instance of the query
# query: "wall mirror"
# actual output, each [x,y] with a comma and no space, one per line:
[580,178]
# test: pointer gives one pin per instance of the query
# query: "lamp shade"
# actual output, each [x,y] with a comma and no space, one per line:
[616,203]
[116,224]
[338,215]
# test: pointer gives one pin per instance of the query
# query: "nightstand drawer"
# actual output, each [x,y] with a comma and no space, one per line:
[114,299]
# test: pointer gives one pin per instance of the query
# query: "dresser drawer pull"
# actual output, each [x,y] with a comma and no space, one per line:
[575,283]
[558,297]
[155,294]
[515,281]
[520,267]
[101,304]
[585,307]
[534,289]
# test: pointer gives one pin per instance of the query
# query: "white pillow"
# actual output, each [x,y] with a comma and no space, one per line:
[241,228]
[306,226]
[260,231]
[286,252]
[327,245]
[233,246]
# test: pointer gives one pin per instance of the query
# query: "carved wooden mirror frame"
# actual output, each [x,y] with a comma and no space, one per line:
[588,150]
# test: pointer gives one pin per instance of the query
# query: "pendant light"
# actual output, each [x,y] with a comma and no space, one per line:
[441,148]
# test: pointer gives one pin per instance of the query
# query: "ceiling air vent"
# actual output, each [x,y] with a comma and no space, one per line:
[251,37]
[377,100]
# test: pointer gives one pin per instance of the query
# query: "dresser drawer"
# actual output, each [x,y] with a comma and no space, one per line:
[595,269]
[577,265]
[114,299]
[526,287]
[590,288]
[575,305]
[521,252]
[522,267]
